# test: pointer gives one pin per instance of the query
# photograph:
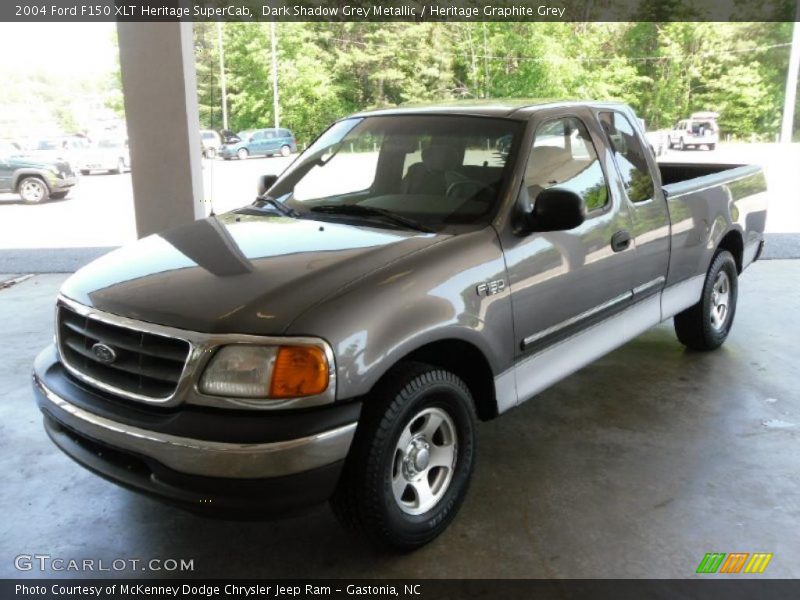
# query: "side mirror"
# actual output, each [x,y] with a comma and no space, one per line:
[265,182]
[556,209]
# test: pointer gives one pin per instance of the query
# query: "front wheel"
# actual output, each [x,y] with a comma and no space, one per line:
[120,167]
[712,146]
[681,144]
[33,190]
[412,458]
[242,153]
[706,325]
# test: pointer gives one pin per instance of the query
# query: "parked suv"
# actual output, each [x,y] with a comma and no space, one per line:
[260,142]
[699,130]
[34,179]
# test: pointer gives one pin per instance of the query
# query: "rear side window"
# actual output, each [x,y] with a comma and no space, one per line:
[630,156]
[564,156]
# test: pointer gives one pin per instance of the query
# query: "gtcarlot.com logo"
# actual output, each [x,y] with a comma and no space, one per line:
[46,563]
[735,562]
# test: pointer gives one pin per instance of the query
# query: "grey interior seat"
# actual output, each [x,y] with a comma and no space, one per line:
[435,173]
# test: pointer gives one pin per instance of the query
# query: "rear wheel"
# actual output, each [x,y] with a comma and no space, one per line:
[33,190]
[85,171]
[120,166]
[285,150]
[242,153]
[706,325]
[412,458]
[712,146]
[211,152]
[681,145]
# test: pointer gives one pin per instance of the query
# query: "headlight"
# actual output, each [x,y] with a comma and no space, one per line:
[279,372]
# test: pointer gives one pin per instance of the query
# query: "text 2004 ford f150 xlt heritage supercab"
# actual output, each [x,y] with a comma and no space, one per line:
[414,270]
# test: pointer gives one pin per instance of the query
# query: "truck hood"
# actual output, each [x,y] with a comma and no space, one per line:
[237,273]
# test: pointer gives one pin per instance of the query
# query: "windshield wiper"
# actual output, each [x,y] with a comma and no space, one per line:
[359,210]
[262,201]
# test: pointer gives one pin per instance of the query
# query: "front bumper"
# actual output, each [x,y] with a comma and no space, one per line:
[147,449]
[62,183]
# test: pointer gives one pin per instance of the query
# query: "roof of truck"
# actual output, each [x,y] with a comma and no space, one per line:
[520,108]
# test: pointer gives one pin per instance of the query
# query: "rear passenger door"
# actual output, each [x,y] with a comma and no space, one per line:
[650,225]
[563,282]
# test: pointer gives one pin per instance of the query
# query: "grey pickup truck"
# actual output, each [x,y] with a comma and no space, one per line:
[413,271]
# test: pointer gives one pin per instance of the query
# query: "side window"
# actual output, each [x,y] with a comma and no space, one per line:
[257,136]
[269,134]
[630,156]
[563,155]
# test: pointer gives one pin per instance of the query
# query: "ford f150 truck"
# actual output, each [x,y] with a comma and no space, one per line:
[414,270]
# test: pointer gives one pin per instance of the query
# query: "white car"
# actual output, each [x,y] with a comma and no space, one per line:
[105,155]
[700,129]
[211,142]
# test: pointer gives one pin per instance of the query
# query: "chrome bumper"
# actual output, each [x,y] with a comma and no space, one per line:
[201,457]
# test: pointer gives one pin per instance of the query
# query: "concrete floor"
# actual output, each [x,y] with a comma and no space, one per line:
[634,467]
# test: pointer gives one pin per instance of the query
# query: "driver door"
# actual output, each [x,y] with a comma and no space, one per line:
[563,282]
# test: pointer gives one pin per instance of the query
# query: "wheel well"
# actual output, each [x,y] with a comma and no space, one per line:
[21,177]
[732,242]
[469,363]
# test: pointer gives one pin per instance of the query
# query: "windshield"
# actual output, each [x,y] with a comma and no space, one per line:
[436,170]
[47,145]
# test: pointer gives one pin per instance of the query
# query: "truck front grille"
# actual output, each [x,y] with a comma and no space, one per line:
[137,364]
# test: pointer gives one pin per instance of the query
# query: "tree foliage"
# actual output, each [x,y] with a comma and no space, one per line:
[665,70]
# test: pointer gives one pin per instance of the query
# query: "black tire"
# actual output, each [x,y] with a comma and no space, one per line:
[364,501]
[242,153]
[120,166]
[58,195]
[85,171]
[211,153]
[712,146]
[33,190]
[681,145]
[696,327]
[285,150]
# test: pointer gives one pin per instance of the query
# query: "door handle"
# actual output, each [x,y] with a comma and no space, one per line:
[620,241]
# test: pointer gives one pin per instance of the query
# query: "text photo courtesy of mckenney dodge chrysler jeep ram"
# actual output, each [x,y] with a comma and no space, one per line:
[414,270]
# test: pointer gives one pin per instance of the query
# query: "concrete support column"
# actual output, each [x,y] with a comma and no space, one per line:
[160,92]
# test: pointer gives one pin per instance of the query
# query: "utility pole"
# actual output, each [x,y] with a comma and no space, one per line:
[791,83]
[275,107]
[222,82]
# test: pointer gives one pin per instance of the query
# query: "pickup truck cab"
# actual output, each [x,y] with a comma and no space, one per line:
[35,179]
[414,270]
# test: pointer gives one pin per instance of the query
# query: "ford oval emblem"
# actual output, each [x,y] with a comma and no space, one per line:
[104,353]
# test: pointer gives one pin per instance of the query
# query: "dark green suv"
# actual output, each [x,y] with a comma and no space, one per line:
[34,179]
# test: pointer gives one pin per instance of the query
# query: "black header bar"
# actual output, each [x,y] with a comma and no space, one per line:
[397,10]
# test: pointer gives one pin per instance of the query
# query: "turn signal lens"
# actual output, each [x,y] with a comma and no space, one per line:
[299,371]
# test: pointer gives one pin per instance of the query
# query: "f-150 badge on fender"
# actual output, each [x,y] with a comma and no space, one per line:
[490,288]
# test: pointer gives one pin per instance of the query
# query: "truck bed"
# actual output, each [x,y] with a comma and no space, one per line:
[707,200]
